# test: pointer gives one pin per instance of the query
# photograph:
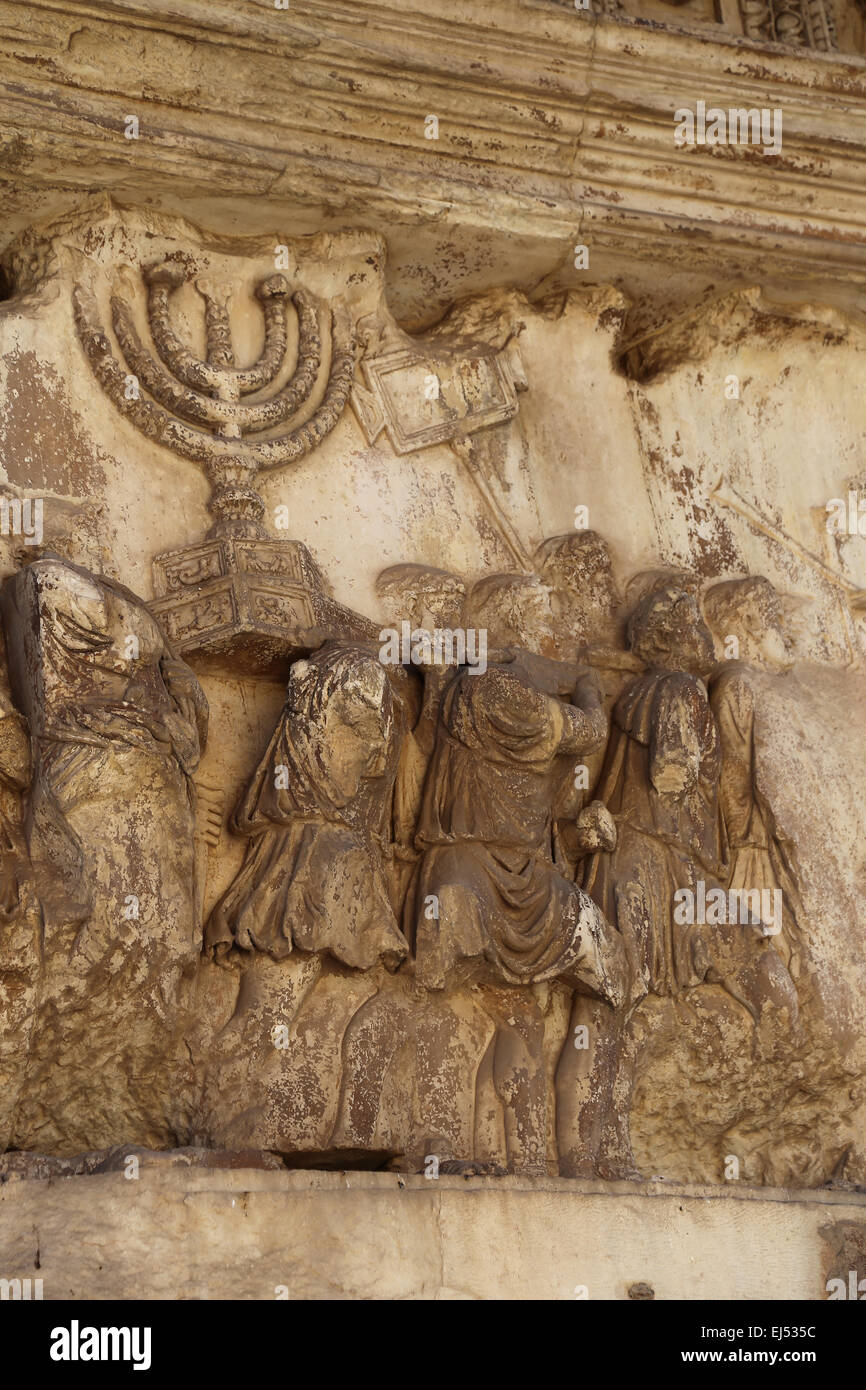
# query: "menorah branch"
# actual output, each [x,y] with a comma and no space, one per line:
[273,293]
[275,453]
[205,410]
[183,392]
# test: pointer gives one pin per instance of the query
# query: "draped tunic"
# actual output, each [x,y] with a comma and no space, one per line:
[502,752]
[313,876]
[660,782]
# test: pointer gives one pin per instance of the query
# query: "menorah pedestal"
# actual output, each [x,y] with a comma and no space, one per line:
[237,605]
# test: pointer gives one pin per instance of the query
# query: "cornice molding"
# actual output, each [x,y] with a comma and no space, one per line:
[550,124]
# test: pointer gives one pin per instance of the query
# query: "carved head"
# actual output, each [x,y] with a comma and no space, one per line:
[647,582]
[426,597]
[515,611]
[341,711]
[667,630]
[751,611]
[585,600]
[94,618]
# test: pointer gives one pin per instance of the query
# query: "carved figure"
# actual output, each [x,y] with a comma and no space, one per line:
[116,724]
[503,748]
[426,600]
[315,813]
[660,781]
[500,933]
[20,917]
[760,859]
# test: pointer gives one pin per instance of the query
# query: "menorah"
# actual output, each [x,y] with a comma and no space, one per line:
[237,591]
[197,408]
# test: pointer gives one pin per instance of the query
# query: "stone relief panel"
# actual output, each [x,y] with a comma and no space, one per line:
[797,23]
[413,757]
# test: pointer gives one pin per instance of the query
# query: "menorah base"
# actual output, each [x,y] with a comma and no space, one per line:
[238,604]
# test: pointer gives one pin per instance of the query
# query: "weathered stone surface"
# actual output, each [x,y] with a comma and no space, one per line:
[555,126]
[433,582]
[408,814]
[188,1233]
